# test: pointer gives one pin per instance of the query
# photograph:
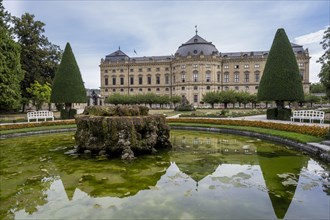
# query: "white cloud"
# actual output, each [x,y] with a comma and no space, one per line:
[312,42]
[310,38]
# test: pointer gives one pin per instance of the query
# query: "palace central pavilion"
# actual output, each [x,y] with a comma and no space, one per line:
[196,68]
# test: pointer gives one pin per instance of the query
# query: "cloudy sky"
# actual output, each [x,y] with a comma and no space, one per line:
[151,27]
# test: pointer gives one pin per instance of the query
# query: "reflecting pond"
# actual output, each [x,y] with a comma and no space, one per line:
[205,175]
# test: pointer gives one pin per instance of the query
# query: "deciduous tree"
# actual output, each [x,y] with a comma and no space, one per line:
[325,61]
[11,73]
[39,58]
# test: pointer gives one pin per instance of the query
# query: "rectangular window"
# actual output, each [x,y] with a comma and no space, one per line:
[132,80]
[157,89]
[140,89]
[247,77]
[121,70]
[157,79]
[113,70]
[183,67]
[195,77]
[131,70]
[208,66]
[158,69]
[140,69]
[106,71]
[195,98]
[236,67]
[167,79]
[226,67]
[195,66]
[149,90]
[257,77]
[226,79]
[106,81]
[256,66]
[149,69]
[167,69]
[195,87]
[208,77]
[236,79]
[246,66]
[121,81]
[149,80]
[140,80]
[113,81]
[301,64]
[218,77]
[183,88]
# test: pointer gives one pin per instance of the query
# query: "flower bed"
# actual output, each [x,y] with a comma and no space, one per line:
[310,130]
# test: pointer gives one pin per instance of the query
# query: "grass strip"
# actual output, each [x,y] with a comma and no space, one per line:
[303,138]
[41,128]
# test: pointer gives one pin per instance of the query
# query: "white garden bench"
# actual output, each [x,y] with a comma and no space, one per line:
[308,115]
[40,115]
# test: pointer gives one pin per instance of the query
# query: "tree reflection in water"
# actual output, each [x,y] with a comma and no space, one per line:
[205,176]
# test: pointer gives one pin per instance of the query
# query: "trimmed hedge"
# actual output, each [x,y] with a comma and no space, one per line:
[302,129]
[279,114]
[134,110]
[65,114]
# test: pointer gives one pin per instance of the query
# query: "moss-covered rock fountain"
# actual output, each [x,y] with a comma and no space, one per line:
[121,131]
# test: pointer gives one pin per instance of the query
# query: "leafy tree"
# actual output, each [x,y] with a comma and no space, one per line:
[211,98]
[39,58]
[254,100]
[226,97]
[11,73]
[281,80]
[243,98]
[325,61]
[68,86]
[317,88]
[310,98]
[40,93]
[176,99]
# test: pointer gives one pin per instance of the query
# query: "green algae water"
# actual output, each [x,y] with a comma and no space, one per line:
[204,176]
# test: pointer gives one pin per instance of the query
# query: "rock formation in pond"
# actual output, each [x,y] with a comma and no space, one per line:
[121,130]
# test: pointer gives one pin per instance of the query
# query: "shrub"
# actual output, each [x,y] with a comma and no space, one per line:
[68,114]
[284,114]
[116,110]
[272,113]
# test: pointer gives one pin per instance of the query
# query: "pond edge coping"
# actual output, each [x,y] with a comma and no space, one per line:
[309,148]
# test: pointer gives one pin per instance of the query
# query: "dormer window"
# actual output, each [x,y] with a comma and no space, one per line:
[195,51]
[195,40]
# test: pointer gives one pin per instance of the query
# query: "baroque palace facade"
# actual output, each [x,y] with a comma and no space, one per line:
[196,68]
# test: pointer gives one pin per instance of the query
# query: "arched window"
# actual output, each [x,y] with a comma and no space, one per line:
[195,76]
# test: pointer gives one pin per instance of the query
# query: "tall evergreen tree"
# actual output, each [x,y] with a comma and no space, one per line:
[11,73]
[39,57]
[68,86]
[325,61]
[281,80]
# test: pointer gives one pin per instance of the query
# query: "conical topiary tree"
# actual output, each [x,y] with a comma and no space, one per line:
[281,80]
[68,86]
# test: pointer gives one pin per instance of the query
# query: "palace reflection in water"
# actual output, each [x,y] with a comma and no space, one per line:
[205,176]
